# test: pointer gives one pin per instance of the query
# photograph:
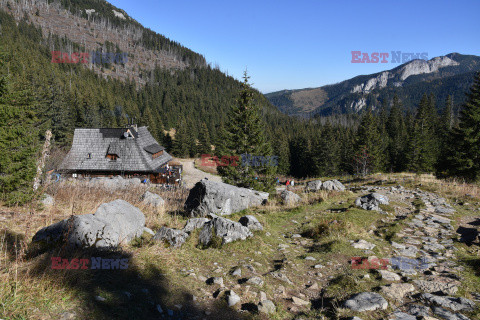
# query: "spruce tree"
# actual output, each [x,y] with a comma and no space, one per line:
[465,159]
[180,143]
[326,151]
[444,132]
[245,138]
[423,143]
[282,151]
[18,142]
[397,134]
[369,145]
[204,143]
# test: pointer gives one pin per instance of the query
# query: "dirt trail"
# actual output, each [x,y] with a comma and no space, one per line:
[192,175]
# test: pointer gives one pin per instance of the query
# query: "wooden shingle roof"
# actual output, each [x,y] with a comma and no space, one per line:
[91,146]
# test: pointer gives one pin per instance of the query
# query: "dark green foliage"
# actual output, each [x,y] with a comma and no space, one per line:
[204,143]
[397,133]
[465,157]
[326,151]
[423,143]
[194,100]
[19,141]
[245,135]
[369,144]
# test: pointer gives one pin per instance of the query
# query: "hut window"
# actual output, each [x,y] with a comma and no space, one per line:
[112,157]
[156,155]
[89,156]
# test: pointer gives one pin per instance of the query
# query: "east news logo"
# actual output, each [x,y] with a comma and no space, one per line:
[59,263]
[397,57]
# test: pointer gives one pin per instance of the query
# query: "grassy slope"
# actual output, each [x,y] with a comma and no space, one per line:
[30,289]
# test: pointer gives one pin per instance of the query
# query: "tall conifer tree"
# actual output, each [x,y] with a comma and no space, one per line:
[245,138]
[18,142]
[465,159]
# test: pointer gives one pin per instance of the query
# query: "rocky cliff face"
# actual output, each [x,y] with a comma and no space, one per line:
[446,75]
[398,77]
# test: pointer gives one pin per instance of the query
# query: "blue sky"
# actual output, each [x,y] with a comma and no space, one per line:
[300,44]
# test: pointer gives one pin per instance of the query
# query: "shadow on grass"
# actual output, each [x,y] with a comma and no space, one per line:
[468,235]
[129,293]
[12,243]
[473,264]
[323,247]
[327,305]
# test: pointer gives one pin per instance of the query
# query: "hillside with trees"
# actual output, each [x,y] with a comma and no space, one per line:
[194,102]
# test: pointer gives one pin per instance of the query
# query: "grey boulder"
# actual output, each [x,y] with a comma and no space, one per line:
[220,198]
[398,315]
[333,185]
[290,198]
[232,298]
[226,229]
[445,314]
[194,223]
[366,301]
[173,236]
[152,199]
[371,201]
[453,303]
[251,223]
[115,183]
[113,223]
[314,185]
[267,307]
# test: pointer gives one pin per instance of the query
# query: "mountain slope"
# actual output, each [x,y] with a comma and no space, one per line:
[163,85]
[451,74]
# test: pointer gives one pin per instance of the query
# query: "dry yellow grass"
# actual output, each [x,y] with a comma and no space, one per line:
[30,289]
[450,187]
[24,279]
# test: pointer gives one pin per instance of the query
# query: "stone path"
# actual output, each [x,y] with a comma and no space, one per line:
[192,175]
[424,258]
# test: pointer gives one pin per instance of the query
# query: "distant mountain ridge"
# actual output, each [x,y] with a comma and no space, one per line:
[450,74]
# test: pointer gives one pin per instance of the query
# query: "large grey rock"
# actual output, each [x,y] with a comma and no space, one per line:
[371,201]
[314,185]
[439,284]
[280,276]
[256,281]
[152,199]
[290,198]
[362,244]
[398,315]
[232,298]
[366,301]
[267,307]
[447,315]
[113,223]
[226,229]
[173,236]
[220,198]
[47,201]
[194,223]
[115,183]
[444,210]
[333,185]
[251,223]
[397,291]
[453,303]
[418,310]
[388,275]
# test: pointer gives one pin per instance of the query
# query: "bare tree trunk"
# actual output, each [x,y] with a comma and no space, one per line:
[43,158]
